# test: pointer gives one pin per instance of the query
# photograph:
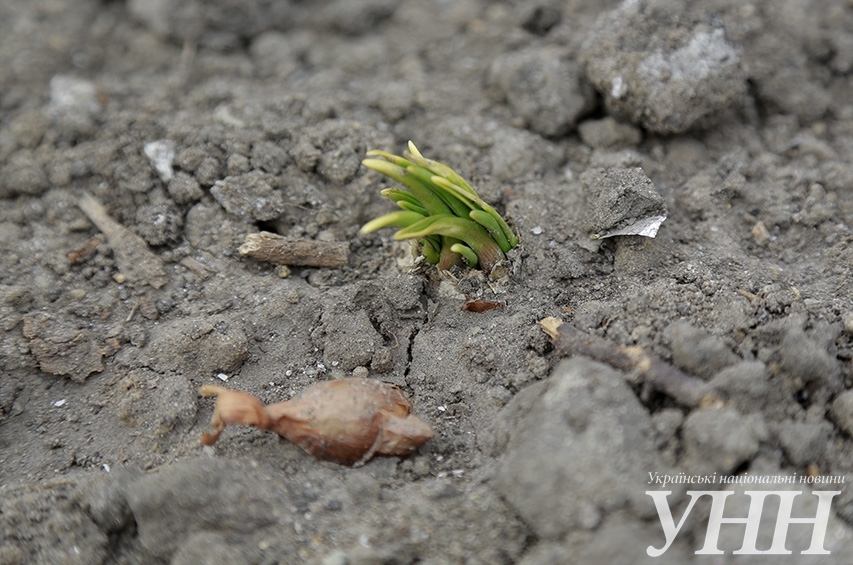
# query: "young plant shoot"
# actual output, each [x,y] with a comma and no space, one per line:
[440,210]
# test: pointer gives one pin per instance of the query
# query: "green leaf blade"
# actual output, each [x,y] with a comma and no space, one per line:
[400,219]
[473,234]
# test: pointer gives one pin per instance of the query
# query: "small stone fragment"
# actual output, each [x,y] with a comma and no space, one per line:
[760,234]
[161,154]
[73,101]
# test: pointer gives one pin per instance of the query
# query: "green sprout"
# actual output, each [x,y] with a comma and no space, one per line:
[440,209]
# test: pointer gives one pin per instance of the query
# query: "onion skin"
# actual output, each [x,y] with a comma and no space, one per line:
[347,420]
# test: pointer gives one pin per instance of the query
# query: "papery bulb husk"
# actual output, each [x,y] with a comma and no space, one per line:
[346,420]
[349,420]
[233,407]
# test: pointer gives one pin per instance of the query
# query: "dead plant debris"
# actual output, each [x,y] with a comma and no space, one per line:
[347,420]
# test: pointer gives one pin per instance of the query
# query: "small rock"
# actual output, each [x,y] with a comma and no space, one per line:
[161,154]
[760,234]
[383,360]
[73,102]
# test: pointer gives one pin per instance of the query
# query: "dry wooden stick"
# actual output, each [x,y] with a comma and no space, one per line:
[201,270]
[686,390]
[279,250]
[135,261]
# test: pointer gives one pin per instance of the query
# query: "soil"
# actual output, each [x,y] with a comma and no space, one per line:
[141,141]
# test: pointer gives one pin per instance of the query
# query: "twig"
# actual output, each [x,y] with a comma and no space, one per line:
[135,261]
[686,390]
[201,270]
[279,250]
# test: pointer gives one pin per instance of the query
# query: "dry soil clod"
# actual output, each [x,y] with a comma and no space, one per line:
[346,420]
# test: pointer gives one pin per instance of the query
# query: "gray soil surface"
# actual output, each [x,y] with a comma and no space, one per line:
[141,141]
